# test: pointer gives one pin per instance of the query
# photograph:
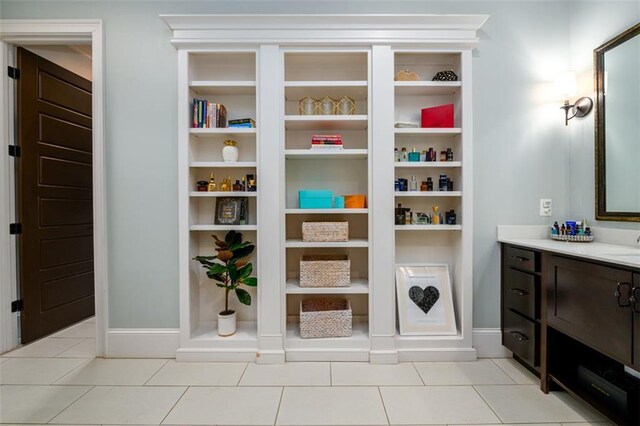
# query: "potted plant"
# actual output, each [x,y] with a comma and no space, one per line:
[229,272]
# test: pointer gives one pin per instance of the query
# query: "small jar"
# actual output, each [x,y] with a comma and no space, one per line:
[230,151]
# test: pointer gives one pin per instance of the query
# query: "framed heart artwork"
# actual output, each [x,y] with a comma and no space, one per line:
[425,302]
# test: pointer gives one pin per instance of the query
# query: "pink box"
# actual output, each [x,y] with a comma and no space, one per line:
[438,116]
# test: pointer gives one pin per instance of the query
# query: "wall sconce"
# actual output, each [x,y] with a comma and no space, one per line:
[566,85]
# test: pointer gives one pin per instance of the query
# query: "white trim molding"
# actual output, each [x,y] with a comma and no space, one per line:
[24,32]
[488,343]
[440,31]
[142,342]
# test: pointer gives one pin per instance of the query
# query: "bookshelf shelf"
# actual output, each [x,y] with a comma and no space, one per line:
[326,122]
[325,154]
[326,211]
[222,131]
[418,131]
[428,227]
[210,227]
[424,88]
[353,243]
[358,286]
[428,164]
[428,194]
[223,164]
[222,88]
[215,194]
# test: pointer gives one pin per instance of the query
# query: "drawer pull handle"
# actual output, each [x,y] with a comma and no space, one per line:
[635,300]
[618,295]
[520,258]
[519,291]
[520,336]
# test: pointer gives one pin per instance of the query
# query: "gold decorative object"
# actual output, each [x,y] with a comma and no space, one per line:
[345,106]
[406,75]
[308,106]
[212,184]
[326,106]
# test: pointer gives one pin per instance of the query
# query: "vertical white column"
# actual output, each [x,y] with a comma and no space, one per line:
[466,316]
[382,279]
[270,96]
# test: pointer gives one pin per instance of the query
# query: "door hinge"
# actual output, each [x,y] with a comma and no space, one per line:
[15,228]
[13,72]
[17,305]
[15,151]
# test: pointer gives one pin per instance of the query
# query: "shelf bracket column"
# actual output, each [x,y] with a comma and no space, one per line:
[382,318]
[269,169]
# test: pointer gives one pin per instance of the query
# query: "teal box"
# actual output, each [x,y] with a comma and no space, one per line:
[315,199]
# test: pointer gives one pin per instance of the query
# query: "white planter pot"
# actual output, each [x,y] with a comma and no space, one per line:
[227,324]
[230,154]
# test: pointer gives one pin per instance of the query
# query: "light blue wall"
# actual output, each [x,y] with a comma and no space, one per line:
[592,24]
[521,145]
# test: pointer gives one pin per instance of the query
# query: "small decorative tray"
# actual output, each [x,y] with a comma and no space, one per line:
[573,238]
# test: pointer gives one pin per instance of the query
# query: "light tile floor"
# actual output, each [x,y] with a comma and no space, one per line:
[58,380]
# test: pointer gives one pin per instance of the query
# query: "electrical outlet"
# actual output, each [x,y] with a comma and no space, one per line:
[545,207]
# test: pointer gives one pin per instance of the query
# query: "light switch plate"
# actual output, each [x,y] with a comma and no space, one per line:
[545,206]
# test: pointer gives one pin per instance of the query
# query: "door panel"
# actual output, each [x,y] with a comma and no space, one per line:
[583,304]
[55,200]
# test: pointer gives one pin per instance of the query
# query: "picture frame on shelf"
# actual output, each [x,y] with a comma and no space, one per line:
[425,300]
[232,211]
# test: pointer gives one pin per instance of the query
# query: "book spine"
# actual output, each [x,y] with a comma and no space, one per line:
[223,116]
[194,111]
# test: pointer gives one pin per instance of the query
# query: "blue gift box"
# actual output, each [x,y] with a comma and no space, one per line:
[315,199]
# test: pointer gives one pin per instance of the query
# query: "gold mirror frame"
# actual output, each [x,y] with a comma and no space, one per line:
[600,142]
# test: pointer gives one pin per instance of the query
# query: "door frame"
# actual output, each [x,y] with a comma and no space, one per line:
[25,32]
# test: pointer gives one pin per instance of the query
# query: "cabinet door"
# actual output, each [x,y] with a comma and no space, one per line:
[636,324]
[583,304]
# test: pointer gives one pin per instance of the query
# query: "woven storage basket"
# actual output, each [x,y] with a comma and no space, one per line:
[325,318]
[319,232]
[325,271]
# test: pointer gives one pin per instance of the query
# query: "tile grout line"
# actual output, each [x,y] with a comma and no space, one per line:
[486,403]
[246,366]
[275,421]
[384,407]
[174,405]
[504,371]
[156,372]
[418,373]
[69,348]
[70,404]
[87,361]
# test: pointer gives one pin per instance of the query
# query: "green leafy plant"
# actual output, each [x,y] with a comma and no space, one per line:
[228,269]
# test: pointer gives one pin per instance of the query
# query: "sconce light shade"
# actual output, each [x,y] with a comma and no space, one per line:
[566,86]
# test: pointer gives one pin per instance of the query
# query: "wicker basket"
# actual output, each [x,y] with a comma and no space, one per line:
[325,271]
[318,232]
[325,318]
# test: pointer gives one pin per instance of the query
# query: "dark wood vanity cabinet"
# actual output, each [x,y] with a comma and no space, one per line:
[521,304]
[591,303]
[576,323]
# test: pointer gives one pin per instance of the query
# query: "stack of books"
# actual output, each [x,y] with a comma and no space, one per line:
[326,142]
[242,122]
[208,115]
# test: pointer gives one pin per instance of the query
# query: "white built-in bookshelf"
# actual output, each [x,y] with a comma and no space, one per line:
[261,67]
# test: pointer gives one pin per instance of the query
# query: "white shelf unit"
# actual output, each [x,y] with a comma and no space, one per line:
[411,243]
[260,66]
[226,77]
[318,73]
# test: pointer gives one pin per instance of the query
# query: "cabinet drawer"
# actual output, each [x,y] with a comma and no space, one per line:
[520,336]
[522,259]
[520,293]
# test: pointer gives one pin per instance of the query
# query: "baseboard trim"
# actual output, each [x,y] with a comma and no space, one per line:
[215,355]
[488,343]
[437,354]
[142,342]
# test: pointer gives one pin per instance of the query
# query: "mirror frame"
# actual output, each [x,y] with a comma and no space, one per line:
[600,142]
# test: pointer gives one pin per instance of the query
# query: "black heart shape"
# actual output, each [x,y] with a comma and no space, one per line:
[424,299]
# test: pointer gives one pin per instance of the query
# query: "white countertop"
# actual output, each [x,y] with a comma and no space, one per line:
[535,237]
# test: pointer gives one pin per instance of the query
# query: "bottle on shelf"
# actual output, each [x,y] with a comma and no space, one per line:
[413,184]
[429,184]
[396,155]
[414,155]
[237,187]
[212,184]
[403,154]
[435,219]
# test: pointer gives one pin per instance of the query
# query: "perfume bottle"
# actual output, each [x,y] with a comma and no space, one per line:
[449,154]
[244,184]
[423,156]
[225,185]
[423,186]
[400,215]
[251,183]
[396,155]
[435,219]
[413,184]
[212,184]
[443,155]
[237,186]
[442,183]
[430,155]
[414,155]
[403,154]
[429,184]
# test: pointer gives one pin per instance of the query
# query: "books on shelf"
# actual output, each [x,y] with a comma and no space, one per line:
[326,142]
[207,114]
[242,123]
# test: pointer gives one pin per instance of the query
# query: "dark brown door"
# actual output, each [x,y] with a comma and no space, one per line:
[54,175]
[583,304]
[636,323]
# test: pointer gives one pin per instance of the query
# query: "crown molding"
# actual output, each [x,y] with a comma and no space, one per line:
[444,31]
